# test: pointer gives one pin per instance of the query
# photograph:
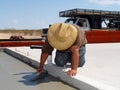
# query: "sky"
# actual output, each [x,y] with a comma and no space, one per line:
[38,14]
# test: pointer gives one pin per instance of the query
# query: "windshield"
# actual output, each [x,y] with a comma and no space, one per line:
[71,21]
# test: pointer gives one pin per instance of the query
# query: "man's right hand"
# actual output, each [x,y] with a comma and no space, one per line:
[41,74]
[39,70]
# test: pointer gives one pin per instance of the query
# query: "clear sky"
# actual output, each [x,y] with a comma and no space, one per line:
[37,14]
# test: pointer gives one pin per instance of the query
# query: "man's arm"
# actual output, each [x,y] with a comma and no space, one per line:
[45,52]
[75,60]
[42,61]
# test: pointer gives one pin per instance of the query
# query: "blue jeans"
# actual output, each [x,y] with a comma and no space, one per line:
[63,57]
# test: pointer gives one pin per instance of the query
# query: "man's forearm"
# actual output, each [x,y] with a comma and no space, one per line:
[43,59]
[75,60]
[75,57]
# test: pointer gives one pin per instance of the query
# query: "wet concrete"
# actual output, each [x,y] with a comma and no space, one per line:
[16,75]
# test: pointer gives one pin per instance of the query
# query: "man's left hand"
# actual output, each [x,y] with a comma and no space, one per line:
[72,72]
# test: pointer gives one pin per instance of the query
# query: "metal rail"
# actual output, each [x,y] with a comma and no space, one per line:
[36,39]
[17,43]
[78,12]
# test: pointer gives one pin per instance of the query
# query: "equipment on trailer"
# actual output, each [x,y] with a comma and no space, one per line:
[92,19]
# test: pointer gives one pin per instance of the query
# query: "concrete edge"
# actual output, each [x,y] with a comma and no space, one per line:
[1,49]
[78,81]
[26,59]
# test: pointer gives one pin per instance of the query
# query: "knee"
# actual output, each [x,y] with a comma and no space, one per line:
[81,63]
[60,63]
[61,58]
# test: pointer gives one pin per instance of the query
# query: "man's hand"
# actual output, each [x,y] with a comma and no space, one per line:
[39,70]
[72,72]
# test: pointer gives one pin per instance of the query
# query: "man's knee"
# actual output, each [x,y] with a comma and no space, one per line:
[60,63]
[60,59]
[82,56]
[81,63]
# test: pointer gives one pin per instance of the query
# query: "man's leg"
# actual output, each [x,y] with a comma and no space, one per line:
[61,58]
[82,52]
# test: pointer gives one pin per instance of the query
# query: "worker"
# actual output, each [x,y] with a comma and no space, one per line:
[111,24]
[69,41]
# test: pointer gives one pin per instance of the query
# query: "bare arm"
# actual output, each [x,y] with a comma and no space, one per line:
[45,52]
[42,61]
[75,60]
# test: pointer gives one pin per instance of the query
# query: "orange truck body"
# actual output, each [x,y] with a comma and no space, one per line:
[103,36]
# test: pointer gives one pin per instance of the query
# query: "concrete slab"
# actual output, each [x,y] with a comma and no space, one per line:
[99,73]
[103,63]
[15,75]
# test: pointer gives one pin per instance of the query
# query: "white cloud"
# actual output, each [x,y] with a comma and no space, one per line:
[105,2]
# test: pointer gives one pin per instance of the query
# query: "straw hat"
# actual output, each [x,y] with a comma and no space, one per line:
[62,35]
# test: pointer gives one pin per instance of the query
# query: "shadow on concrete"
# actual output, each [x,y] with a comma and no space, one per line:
[27,76]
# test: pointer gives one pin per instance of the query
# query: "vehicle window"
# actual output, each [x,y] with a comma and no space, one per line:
[82,23]
[71,21]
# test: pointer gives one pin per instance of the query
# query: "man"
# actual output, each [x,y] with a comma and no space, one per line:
[69,41]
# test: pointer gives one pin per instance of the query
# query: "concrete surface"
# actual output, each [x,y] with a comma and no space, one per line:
[101,71]
[16,75]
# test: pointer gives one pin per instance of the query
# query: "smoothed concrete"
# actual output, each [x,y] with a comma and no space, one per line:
[16,75]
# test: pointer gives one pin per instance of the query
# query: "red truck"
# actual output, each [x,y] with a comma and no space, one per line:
[100,26]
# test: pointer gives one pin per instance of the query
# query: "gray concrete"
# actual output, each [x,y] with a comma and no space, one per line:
[15,75]
[99,73]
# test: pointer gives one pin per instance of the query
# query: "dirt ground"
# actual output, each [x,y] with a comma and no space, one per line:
[28,36]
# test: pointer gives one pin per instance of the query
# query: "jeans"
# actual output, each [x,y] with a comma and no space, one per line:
[62,58]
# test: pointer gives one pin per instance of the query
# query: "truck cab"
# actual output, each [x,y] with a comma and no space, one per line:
[82,22]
